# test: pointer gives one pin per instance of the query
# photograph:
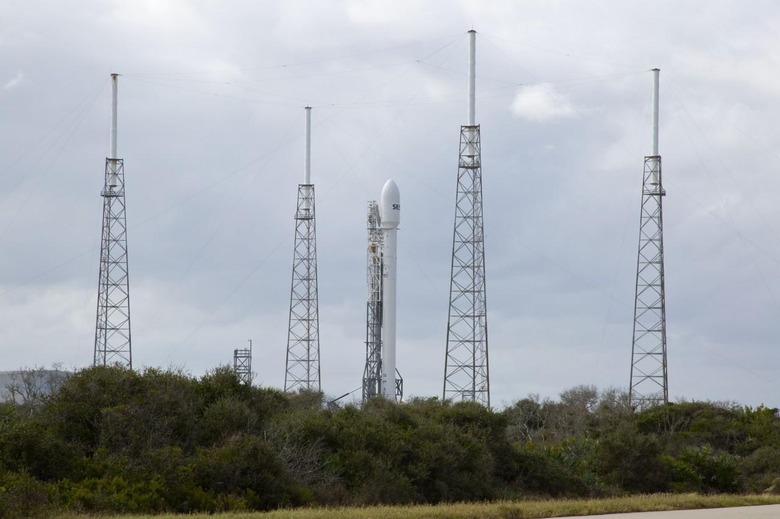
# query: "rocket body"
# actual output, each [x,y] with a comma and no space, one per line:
[390,217]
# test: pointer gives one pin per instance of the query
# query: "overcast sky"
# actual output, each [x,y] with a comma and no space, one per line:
[211,129]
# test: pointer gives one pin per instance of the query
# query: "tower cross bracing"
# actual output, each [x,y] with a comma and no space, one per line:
[649,383]
[466,375]
[372,373]
[649,379]
[112,329]
[112,322]
[242,364]
[303,340]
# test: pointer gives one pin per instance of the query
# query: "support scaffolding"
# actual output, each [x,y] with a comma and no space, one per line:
[242,364]
[372,374]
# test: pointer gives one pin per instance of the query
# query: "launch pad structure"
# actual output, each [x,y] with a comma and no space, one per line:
[372,373]
[466,367]
[374,376]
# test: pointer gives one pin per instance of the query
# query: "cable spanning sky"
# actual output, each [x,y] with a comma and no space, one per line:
[210,103]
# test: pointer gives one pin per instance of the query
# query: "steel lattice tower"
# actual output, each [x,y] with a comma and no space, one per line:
[466,373]
[303,339]
[112,329]
[242,364]
[649,383]
[372,374]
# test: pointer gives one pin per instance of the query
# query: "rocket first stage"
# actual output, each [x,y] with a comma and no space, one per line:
[390,217]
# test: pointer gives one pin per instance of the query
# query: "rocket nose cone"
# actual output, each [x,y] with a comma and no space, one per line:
[390,191]
[390,205]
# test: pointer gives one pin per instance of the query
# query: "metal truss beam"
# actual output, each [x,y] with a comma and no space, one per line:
[242,364]
[372,373]
[303,340]
[649,381]
[466,373]
[112,328]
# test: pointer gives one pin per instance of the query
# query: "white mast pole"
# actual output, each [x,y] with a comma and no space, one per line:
[472,77]
[307,162]
[655,160]
[656,73]
[112,151]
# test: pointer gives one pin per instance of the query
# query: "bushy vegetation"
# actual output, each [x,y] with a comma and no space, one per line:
[113,440]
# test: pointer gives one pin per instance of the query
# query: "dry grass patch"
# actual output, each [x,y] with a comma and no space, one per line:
[498,510]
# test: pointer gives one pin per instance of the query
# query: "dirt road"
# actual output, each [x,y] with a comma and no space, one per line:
[743,512]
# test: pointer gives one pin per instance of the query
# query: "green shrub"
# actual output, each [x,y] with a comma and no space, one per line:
[21,495]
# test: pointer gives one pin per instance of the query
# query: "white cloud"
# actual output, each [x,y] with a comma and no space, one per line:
[541,103]
[17,80]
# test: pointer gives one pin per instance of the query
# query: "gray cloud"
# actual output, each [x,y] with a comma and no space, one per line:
[211,130]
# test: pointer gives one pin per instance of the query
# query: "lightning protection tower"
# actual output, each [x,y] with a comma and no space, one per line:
[303,339]
[112,329]
[372,374]
[466,375]
[649,384]
[242,364]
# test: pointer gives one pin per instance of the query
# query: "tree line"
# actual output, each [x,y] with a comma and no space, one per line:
[109,439]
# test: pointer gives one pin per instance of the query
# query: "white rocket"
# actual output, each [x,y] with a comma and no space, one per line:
[390,217]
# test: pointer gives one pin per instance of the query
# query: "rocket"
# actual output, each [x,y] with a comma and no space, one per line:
[390,217]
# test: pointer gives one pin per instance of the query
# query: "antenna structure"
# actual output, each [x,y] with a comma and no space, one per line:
[649,383]
[466,374]
[112,328]
[242,364]
[303,340]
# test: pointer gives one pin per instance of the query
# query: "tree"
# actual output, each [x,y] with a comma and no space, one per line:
[32,387]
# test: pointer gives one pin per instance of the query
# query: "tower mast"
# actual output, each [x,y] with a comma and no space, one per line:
[649,383]
[302,370]
[466,374]
[112,328]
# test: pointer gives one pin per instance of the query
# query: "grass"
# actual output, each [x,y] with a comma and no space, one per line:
[497,510]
